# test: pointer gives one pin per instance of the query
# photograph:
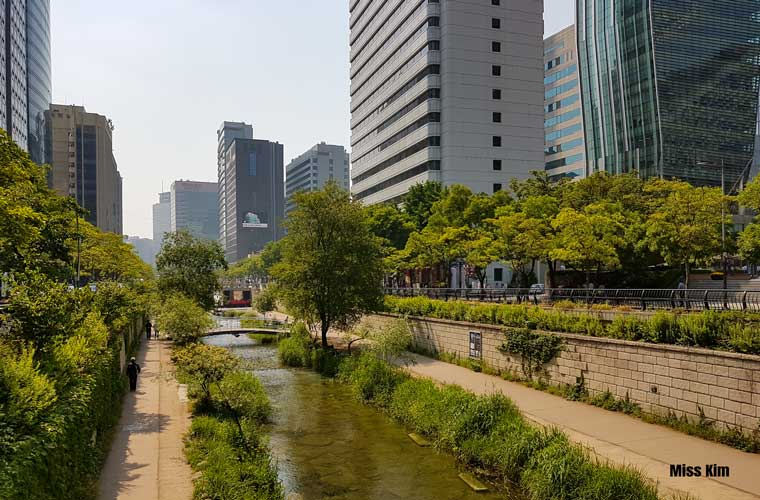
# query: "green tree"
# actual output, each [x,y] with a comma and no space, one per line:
[107,256]
[205,365]
[749,243]
[183,319]
[685,225]
[390,224]
[419,200]
[331,269]
[190,266]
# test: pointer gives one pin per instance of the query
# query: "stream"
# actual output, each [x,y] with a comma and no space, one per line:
[329,445]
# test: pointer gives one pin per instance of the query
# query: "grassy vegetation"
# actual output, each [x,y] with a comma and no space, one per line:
[226,445]
[731,331]
[490,434]
[264,338]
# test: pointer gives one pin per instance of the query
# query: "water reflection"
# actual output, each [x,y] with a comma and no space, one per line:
[328,445]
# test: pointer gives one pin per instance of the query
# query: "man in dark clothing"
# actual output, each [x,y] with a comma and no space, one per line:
[132,370]
[148,327]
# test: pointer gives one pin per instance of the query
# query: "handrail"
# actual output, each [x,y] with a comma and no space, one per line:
[636,298]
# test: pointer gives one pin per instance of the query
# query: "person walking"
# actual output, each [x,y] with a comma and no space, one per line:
[132,370]
[148,328]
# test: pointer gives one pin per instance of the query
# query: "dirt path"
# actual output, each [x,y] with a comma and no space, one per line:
[146,461]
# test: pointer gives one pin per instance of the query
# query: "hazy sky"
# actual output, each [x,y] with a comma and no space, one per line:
[168,72]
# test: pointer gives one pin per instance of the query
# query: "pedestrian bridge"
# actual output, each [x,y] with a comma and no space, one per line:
[243,331]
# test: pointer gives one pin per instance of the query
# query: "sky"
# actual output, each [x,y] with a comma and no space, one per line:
[168,72]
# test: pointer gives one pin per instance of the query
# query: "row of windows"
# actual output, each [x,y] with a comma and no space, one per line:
[549,50]
[429,165]
[562,103]
[560,74]
[563,132]
[561,162]
[429,118]
[555,62]
[566,146]
[565,87]
[415,148]
[556,120]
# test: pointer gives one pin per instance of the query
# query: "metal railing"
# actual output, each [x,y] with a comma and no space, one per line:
[642,298]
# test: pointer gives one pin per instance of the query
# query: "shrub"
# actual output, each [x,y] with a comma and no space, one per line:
[265,300]
[204,365]
[371,379]
[745,339]
[242,393]
[183,319]
[558,471]
[534,349]
[628,328]
[294,350]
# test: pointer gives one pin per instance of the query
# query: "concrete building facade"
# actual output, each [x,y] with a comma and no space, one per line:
[25,74]
[227,132]
[565,154]
[83,165]
[670,89]
[162,216]
[444,91]
[194,207]
[254,196]
[312,169]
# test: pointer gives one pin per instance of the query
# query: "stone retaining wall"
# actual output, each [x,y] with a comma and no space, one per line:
[659,378]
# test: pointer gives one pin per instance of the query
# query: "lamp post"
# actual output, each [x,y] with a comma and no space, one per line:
[722,167]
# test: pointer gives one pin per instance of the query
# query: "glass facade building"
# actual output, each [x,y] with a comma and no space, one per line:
[39,78]
[668,85]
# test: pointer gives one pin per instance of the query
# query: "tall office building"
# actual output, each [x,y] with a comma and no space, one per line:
[25,73]
[563,125]
[311,170]
[162,217]
[83,165]
[226,133]
[669,87]
[253,196]
[444,91]
[194,207]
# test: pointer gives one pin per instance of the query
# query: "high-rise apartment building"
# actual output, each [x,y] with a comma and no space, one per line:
[83,165]
[194,207]
[25,73]
[226,133]
[563,125]
[162,216]
[311,170]
[253,196]
[444,91]
[670,88]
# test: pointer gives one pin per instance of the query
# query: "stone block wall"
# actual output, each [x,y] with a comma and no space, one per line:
[659,378]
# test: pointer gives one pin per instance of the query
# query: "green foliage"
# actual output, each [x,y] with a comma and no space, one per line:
[534,349]
[265,301]
[419,200]
[26,394]
[734,331]
[489,432]
[295,349]
[204,365]
[183,319]
[189,265]
[331,269]
[106,256]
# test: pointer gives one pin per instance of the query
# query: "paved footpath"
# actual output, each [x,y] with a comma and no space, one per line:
[146,461]
[616,436]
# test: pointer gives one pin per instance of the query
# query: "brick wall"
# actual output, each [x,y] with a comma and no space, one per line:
[659,378]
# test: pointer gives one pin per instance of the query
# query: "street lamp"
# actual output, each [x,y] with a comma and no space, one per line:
[722,168]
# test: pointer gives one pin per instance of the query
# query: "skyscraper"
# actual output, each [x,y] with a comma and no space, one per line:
[226,133]
[563,125]
[83,165]
[194,207]
[253,196]
[162,217]
[670,87]
[445,91]
[25,73]
[312,169]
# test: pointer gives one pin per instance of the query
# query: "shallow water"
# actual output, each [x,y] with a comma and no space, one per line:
[328,445]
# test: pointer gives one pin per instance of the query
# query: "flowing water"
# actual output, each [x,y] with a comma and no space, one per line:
[329,445]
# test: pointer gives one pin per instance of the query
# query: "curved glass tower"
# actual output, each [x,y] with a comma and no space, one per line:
[39,86]
[668,85]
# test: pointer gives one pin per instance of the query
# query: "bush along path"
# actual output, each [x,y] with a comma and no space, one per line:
[226,445]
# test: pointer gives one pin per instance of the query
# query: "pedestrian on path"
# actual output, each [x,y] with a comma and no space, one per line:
[148,327]
[132,370]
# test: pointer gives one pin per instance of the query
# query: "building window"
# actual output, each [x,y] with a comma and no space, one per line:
[496,141]
[495,46]
[495,2]
[497,164]
[496,117]
[498,274]
[496,70]
[496,94]
[496,23]
[496,187]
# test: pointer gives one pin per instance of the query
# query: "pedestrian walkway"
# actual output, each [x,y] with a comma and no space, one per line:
[146,461]
[618,437]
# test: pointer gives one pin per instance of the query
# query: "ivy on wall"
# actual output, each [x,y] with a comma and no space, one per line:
[534,349]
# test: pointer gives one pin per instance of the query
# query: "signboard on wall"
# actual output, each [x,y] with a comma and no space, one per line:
[476,341]
[253,221]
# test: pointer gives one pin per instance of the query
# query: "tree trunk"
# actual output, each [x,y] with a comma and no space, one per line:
[325,327]
[482,278]
[687,274]
[550,270]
